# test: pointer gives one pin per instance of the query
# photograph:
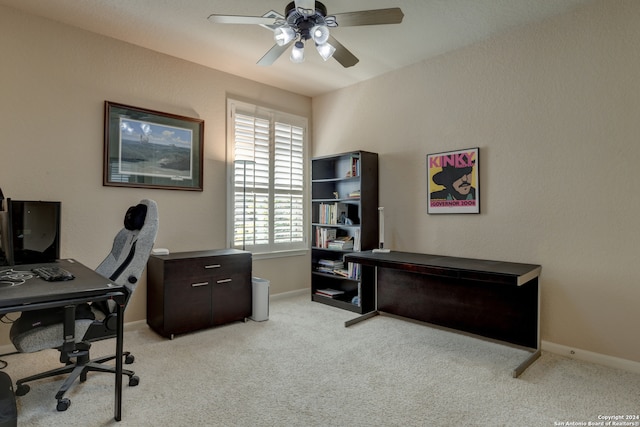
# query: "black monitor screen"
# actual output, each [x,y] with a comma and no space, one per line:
[6,253]
[35,227]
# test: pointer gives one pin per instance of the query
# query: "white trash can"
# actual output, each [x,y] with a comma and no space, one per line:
[260,311]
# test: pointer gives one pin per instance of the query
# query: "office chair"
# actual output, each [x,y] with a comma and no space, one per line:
[124,265]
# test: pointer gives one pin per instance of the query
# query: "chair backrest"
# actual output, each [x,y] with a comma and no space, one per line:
[132,245]
[125,263]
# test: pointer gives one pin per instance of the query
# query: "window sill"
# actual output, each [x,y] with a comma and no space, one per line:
[280,254]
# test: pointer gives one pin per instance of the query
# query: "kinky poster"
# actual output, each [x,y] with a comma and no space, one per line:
[452,182]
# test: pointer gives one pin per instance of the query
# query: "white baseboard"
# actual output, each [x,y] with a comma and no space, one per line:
[289,294]
[589,356]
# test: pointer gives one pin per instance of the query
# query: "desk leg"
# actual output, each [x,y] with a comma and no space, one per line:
[361,318]
[119,356]
[524,365]
[537,353]
[370,314]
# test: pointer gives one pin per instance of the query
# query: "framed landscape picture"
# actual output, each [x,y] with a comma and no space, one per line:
[150,149]
[452,182]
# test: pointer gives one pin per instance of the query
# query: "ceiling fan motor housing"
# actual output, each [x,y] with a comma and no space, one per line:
[304,23]
[320,9]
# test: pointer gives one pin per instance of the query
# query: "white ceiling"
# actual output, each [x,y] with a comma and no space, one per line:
[180,28]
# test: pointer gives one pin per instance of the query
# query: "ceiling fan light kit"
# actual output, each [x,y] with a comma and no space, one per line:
[297,53]
[320,34]
[284,35]
[305,20]
[326,51]
[304,23]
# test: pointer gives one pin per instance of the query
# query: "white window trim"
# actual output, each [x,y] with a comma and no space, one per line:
[234,105]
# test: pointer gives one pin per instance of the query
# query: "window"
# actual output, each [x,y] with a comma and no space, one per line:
[267,151]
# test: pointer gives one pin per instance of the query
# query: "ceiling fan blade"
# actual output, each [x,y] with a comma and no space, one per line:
[273,54]
[342,54]
[236,19]
[392,15]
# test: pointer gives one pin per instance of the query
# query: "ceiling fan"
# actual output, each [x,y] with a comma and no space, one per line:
[306,21]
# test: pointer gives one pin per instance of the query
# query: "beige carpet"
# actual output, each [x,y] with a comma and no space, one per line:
[302,367]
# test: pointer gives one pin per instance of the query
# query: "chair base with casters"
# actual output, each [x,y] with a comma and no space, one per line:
[77,370]
[75,356]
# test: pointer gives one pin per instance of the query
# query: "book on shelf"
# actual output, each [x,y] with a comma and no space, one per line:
[330,293]
[354,194]
[341,243]
[354,167]
[332,213]
[353,271]
[324,236]
[342,272]
[331,263]
[329,266]
[337,268]
[356,240]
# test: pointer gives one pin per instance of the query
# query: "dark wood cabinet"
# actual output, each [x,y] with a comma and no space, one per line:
[188,291]
[344,193]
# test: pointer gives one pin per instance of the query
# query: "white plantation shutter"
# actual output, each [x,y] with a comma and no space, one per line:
[268,147]
[288,184]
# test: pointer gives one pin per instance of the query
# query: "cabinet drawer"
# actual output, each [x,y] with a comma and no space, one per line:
[197,285]
[213,267]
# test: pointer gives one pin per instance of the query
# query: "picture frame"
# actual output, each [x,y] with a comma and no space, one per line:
[453,184]
[150,149]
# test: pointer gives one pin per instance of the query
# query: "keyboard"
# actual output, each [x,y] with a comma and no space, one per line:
[53,274]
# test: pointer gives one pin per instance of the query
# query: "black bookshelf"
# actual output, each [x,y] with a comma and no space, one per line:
[344,203]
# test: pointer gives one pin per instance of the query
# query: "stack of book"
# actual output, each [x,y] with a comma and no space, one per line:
[341,243]
[329,266]
[329,293]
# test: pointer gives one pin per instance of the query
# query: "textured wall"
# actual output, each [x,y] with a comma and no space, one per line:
[54,82]
[554,108]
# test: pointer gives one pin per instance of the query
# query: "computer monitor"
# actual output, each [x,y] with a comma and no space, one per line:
[6,252]
[34,231]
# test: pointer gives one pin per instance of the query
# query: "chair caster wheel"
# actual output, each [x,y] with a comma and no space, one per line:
[134,381]
[129,359]
[63,404]
[22,389]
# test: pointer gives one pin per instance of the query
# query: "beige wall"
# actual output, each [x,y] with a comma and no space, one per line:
[54,80]
[554,108]
[555,111]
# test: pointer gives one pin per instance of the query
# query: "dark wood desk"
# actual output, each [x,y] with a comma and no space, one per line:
[21,290]
[493,299]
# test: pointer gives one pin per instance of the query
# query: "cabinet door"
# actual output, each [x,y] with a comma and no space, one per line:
[232,298]
[187,306]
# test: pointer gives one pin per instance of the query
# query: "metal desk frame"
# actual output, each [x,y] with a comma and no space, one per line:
[33,293]
[433,280]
